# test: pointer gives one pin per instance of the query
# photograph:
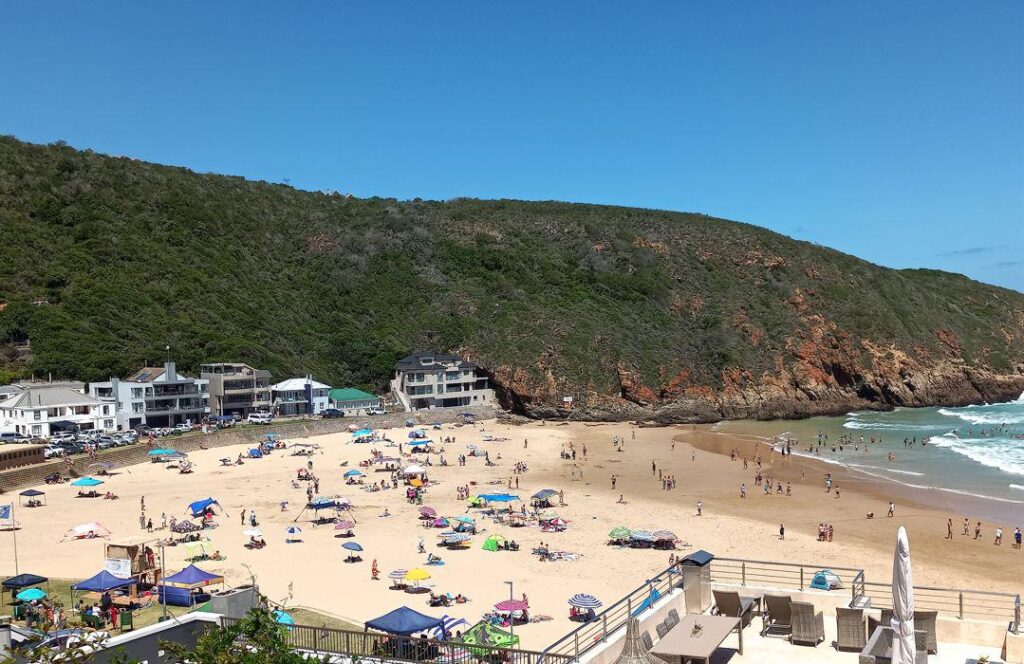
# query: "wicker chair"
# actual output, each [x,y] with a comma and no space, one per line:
[732,605]
[672,619]
[646,639]
[850,634]
[777,614]
[808,626]
[662,629]
[925,621]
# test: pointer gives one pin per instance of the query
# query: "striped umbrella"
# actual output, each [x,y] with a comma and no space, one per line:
[512,605]
[398,574]
[344,524]
[457,538]
[665,536]
[584,601]
[619,533]
[429,512]
[642,535]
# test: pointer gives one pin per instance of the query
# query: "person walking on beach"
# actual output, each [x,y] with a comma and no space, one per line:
[949,529]
[142,521]
[243,517]
[743,490]
[977,531]
[1016,538]
[782,532]
[892,509]
[613,482]
[967,526]
[700,507]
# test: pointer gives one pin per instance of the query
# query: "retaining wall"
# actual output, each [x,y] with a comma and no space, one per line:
[18,478]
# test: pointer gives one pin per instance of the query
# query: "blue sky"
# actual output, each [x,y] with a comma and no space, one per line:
[893,131]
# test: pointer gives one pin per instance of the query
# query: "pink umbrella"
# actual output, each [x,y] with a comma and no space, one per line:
[344,525]
[428,512]
[512,605]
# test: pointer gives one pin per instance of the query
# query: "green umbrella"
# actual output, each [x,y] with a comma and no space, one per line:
[619,533]
[31,594]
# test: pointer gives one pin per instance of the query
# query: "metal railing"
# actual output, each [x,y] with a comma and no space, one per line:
[388,647]
[798,576]
[591,634]
[964,604]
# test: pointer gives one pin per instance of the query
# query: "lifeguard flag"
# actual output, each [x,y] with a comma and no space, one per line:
[5,511]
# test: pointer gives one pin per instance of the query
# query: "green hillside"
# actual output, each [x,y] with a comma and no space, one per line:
[107,260]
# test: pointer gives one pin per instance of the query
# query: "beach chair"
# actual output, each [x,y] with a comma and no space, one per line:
[925,621]
[850,634]
[777,615]
[883,622]
[729,603]
[808,625]
[647,640]
[662,629]
[672,619]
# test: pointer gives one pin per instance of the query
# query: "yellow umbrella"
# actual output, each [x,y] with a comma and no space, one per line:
[416,482]
[417,574]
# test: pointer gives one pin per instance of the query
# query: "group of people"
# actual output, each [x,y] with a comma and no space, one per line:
[1015,544]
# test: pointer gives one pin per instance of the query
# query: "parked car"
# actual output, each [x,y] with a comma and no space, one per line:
[259,418]
[71,447]
[103,442]
[329,413]
[62,437]
[182,428]
[51,451]
[376,411]
[12,437]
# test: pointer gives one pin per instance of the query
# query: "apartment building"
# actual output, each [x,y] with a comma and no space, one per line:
[43,410]
[299,396]
[425,381]
[156,397]
[237,389]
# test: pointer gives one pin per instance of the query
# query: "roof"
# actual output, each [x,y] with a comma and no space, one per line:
[350,394]
[404,621]
[46,397]
[296,384]
[437,360]
[146,375]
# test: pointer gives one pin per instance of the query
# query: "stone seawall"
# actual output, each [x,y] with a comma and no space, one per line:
[17,478]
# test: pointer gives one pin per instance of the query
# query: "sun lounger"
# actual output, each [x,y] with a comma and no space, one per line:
[808,625]
[729,603]
[777,615]
[850,634]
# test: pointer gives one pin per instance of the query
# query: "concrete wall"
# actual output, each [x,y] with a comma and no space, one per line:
[612,648]
[18,478]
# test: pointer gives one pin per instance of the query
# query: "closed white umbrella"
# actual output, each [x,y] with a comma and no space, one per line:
[903,641]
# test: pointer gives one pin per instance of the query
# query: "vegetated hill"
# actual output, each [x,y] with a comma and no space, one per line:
[107,260]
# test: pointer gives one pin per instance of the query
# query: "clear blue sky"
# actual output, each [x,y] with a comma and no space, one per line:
[893,131]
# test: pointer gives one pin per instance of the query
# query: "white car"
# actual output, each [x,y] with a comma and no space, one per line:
[182,428]
[259,418]
[51,451]
[376,411]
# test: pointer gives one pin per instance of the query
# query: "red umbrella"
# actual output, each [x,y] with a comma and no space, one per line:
[512,605]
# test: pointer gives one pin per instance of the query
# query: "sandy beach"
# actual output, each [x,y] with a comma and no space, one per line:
[311,573]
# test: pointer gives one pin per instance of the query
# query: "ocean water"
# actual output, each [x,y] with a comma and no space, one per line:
[974,451]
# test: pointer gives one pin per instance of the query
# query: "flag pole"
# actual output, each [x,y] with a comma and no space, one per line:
[14,532]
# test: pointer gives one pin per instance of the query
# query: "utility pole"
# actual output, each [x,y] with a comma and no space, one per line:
[162,572]
[512,614]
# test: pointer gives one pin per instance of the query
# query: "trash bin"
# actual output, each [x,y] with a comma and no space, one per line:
[126,620]
[696,569]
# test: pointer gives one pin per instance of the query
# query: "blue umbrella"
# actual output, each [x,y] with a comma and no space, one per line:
[31,594]
[87,481]
[282,618]
[293,530]
[352,473]
[160,452]
[352,546]
[584,601]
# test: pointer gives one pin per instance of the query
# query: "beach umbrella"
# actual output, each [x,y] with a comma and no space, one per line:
[441,522]
[428,512]
[253,532]
[620,532]
[292,531]
[904,644]
[87,481]
[665,536]
[344,524]
[31,594]
[398,574]
[353,473]
[416,482]
[510,605]
[457,538]
[642,536]
[282,618]
[417,574]
[352,546]
[163,451]
[584,601]
[465,519]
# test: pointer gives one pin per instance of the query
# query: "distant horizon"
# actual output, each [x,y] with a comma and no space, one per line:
[327,192]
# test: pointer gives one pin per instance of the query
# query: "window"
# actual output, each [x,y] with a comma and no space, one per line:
[137,407]
[106,410]
[136,393]
[37,430]
[37,415]
[108,424]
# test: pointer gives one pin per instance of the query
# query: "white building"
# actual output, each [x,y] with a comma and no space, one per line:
[156,397]
[42,410]
[425,381]
[299,396]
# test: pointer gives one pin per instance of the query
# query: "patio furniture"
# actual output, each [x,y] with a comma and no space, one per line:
[729,603]
[777,614]
[878,649]
[808,625]
[672,619]
[683,644]
[647,640]
[925,621]
[662,629]
[850,634]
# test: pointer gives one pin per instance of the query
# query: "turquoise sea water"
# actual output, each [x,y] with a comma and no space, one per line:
[975,451]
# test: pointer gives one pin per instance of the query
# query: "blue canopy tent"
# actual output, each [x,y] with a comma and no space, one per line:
[198,508]
[102,582]
[404,621]
[192,577]
[182,589]
[87,481]
[23,581]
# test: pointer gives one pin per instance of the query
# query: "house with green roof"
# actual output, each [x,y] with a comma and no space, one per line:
[351,401]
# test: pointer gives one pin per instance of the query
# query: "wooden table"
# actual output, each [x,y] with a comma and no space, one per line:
[681,644]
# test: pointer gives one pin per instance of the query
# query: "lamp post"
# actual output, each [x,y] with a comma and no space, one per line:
[162,572]
[511,614]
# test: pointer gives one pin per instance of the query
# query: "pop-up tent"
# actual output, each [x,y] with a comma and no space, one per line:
[198,508]
[192,577]
[24,581]
[33,494]
[493,543]
[543,497]
[102,582]
[485,634]
[404,621]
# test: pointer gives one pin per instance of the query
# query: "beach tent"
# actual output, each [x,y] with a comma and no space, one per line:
[87,481]
[198,508]
[414,470]
[493,543]
[192,577]
[447,626]
[543,497]
[417,433]
[85,530]
[826,579]
[486,634]
[23,581]
[32,493]
[102,582]
[404,621]
[255,453]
